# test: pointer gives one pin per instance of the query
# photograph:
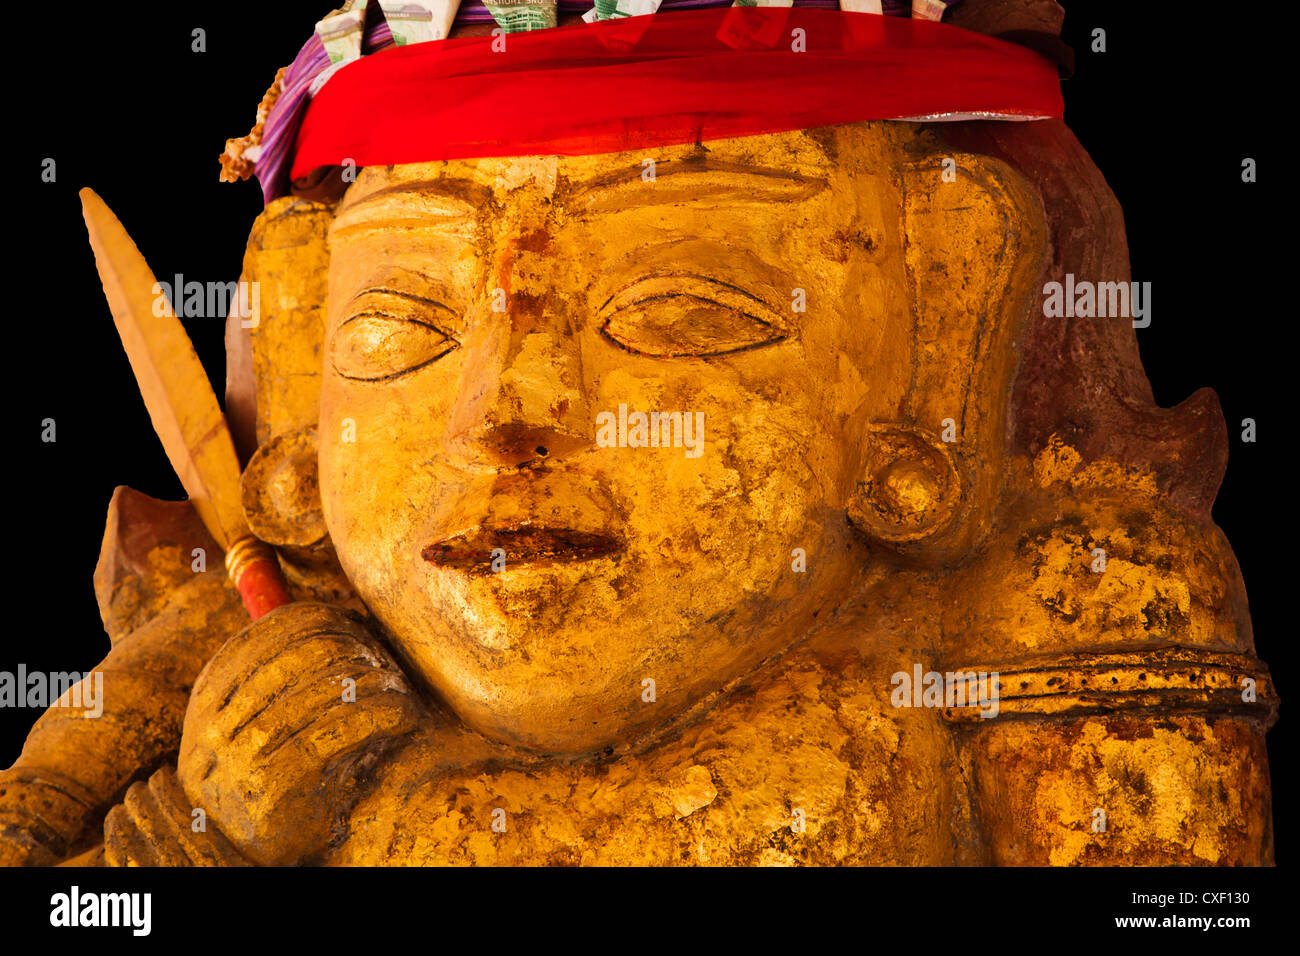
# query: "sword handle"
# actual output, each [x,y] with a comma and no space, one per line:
[255,572]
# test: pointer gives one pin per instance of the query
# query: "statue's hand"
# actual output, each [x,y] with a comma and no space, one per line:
[284,726]
[156,826]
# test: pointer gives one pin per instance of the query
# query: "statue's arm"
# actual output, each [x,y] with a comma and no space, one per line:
[1132,707]
[165,621]
[1134,759]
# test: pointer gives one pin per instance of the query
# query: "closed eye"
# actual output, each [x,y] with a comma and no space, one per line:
[375,346]
[673,316]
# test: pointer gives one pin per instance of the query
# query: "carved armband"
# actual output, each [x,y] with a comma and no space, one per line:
[1170,680]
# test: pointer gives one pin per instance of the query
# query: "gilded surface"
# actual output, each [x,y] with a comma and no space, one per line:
[518,643]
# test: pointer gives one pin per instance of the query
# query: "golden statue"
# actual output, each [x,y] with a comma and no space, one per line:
[687,554]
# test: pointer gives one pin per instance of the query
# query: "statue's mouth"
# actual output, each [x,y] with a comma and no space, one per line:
[488,550]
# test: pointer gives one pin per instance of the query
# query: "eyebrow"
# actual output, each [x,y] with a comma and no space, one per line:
[425,295]
[449,202]
[446,203]
[400,294]
[693,178]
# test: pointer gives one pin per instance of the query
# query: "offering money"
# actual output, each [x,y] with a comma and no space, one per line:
[614,9]
[341,32]
[520,16]
[929,9]
[416,21]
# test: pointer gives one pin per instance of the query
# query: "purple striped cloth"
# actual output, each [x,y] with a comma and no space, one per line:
[281,126]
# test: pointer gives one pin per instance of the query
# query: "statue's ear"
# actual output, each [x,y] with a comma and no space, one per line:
[975,247]
[273,356]
[280,492]
[273,368]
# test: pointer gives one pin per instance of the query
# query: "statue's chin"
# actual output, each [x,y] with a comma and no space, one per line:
[576,656]
[564,690]
[545,728]
[555,716]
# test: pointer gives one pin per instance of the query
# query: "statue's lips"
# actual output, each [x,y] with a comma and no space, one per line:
[474,551]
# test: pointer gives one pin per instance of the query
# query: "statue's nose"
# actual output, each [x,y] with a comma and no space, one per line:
[512,444]
[530,408]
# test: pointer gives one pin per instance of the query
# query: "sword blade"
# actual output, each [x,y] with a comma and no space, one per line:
[172,380]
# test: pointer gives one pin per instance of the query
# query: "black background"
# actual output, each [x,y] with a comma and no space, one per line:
[116,96]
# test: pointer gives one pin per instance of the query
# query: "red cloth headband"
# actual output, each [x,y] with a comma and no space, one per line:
[661,79]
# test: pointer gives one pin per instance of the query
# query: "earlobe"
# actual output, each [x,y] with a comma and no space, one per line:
[281,498]
[281,492]
[910,491]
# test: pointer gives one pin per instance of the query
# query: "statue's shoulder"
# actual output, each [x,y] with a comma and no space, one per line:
[1096,581]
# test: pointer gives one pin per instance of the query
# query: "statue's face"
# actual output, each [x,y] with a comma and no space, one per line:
[489,320]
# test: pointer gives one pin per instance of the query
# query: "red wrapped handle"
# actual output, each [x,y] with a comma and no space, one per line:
[255,572]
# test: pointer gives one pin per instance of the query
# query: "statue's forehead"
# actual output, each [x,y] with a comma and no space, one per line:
[812,154]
